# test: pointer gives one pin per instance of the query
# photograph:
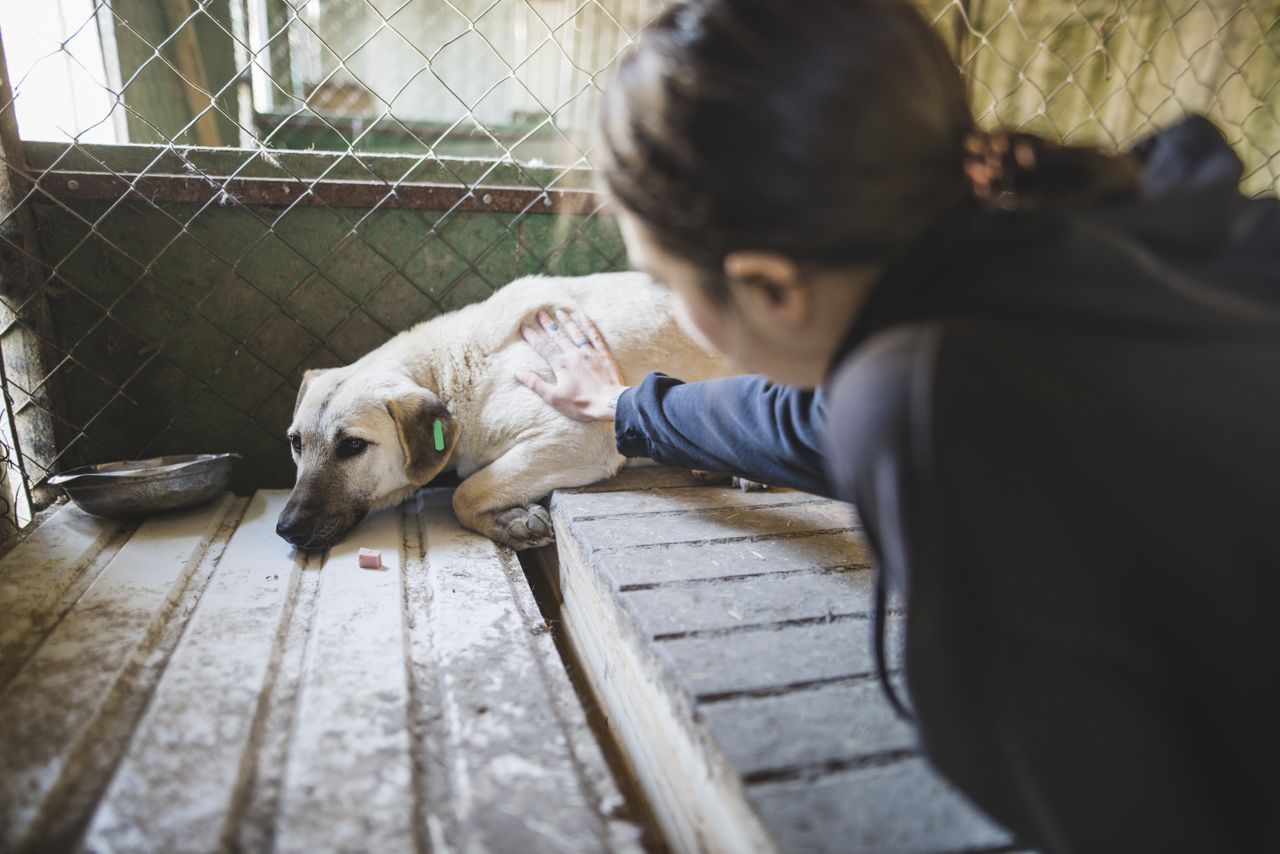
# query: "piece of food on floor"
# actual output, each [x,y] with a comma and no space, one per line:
[369,558]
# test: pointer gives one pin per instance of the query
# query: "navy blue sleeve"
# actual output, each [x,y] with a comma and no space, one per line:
[745,426]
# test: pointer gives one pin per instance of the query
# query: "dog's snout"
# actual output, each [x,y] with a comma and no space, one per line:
[294,528]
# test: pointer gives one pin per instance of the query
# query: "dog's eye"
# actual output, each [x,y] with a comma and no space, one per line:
[296,441]
[350,447]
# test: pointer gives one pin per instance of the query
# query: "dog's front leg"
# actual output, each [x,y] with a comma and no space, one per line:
[499,500]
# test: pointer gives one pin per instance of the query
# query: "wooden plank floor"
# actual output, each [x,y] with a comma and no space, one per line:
[192,684]
[726,635]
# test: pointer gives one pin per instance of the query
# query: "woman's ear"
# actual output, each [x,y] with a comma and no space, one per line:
[770,288]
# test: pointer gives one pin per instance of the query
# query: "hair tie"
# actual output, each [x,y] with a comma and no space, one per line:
[993,162]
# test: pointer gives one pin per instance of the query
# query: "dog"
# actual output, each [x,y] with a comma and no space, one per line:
[443,395]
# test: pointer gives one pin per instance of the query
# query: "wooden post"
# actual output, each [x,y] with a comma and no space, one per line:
[26,328]
[188,58]
[280,60]
[162,102]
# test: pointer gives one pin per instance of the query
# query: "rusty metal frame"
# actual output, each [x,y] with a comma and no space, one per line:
[71,186]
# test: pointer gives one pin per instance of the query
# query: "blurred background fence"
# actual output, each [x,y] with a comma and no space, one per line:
[203,198]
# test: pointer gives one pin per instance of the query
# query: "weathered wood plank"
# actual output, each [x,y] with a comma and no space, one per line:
[635,502]
[696,796]
[713,605]
[808,728]
[902,808]
[251,825]
[640,476]
[692,561]
[770,658]
[270,704]
[513,765]
[619,532]
[732,650]
[348,784]
[193,747]
[57,704]
[37,573]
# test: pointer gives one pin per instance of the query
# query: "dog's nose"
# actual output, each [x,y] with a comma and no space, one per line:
[294,529]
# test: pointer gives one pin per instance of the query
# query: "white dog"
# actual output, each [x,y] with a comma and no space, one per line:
[443,395]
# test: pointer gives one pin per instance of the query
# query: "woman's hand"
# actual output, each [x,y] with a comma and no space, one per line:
[587,378]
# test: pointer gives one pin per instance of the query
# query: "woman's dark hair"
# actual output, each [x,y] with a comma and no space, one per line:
[832,131]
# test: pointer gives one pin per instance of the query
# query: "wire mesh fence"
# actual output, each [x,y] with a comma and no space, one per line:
[187,288]
[1108,73]
[15,509]
[205,197]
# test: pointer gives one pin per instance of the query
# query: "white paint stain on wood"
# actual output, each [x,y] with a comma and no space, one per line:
[51,706]
[211,689]
[188,750]
[38,572]
[347,785]
[697,797]
[510,752]
[726,641]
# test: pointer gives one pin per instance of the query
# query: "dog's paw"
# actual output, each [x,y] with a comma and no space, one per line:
[523,527]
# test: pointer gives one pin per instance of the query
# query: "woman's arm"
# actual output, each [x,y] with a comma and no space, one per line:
[745,426]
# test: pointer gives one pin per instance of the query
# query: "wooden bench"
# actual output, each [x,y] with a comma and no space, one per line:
[727,637]
[190,684]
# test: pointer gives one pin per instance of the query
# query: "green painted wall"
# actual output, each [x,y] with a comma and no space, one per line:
[193,339]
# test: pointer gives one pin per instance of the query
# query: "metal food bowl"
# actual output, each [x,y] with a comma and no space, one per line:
[142,487]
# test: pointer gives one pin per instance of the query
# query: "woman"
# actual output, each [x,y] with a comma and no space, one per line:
[1050,384]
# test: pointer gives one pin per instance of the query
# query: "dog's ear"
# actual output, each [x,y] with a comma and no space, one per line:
[426,447]
[307,377]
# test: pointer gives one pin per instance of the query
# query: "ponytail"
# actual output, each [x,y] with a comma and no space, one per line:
[1026,173]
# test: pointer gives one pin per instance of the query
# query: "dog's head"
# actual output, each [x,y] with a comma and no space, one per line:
[359,443]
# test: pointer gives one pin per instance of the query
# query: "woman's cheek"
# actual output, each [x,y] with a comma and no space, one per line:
[690,328]
[702,324]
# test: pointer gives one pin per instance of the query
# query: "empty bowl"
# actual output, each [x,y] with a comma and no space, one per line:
[142,487]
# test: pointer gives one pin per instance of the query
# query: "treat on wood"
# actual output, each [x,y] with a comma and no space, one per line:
[369,559]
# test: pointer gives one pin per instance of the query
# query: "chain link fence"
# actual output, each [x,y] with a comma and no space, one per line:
[184,285]
[205,197]
[1108,73]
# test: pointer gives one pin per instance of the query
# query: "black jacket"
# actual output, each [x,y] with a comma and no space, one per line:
[1062,434]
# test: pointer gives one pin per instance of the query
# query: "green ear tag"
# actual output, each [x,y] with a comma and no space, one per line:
[439,431]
